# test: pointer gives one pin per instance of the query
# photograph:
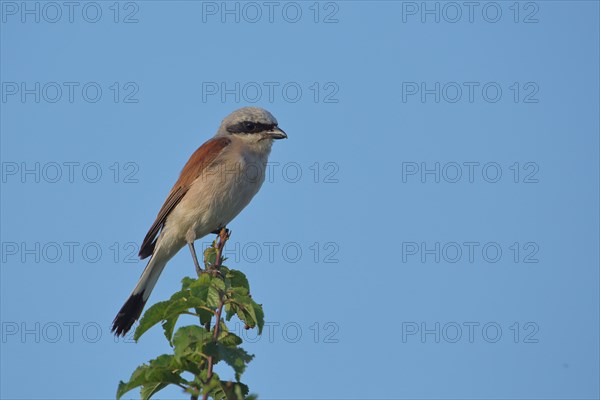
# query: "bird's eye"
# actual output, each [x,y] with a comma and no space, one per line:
[249,126]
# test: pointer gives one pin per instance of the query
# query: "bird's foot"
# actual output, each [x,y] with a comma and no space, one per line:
[218,231]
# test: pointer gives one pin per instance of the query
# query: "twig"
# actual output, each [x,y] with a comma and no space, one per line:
[223,237]
[224,234]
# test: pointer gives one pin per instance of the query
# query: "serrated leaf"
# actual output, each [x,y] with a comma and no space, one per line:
[151,317]
[229,339]
[260,316]
[186,282]
[137,379]
[239,291]
[217,287]
[245,317]
[235,357]
[234,390]
[230,310]
[148,390]
[152,377]
[203,280]
[238,279]
[189,342]
[210,256]
[204,315]
[170,310]
[219,284]
[168,326]
[213,388]
[213,298]
[223,269]
[159,312]
[244,307]
[200,291]
[249,311]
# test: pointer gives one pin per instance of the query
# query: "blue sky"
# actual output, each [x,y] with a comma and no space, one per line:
[429,229]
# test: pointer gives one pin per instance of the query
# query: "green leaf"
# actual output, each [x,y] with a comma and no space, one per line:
[152,377]
[205,316]
[246,309]
[186,282]
[238,279]
[200,292]
[217,287]
[239,291]
[172,313]
[230,310]
[213,297]
[160,312]
[137,379]
[235,357]
[234,390]
[194,297]
[213,388]
[189,342]
[210,256]
[169,326]
[190,366]
[203,280]
[229,339]
[148,390]
[260,316]
[151,317]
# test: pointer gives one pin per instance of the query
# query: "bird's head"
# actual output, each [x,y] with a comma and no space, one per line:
[252,124]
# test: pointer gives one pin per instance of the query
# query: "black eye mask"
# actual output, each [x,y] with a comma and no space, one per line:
[249,127]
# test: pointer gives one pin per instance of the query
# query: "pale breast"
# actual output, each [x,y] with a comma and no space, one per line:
[221,192]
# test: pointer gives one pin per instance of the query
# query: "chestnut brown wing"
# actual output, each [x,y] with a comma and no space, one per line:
[201,158]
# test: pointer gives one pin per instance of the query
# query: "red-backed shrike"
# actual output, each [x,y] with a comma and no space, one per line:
[217,182]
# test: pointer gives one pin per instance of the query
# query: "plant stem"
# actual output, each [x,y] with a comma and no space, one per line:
[223,237]
[215,336]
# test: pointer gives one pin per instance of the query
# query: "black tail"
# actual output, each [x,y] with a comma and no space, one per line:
[128,314]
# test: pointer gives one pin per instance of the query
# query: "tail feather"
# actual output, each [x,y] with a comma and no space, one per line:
[128,314]
[132,309]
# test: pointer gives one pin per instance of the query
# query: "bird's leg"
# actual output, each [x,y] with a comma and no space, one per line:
[195,257]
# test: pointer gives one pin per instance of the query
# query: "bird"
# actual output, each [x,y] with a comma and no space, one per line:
[215,185]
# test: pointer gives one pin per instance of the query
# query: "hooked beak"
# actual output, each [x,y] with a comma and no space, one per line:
[277,133]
